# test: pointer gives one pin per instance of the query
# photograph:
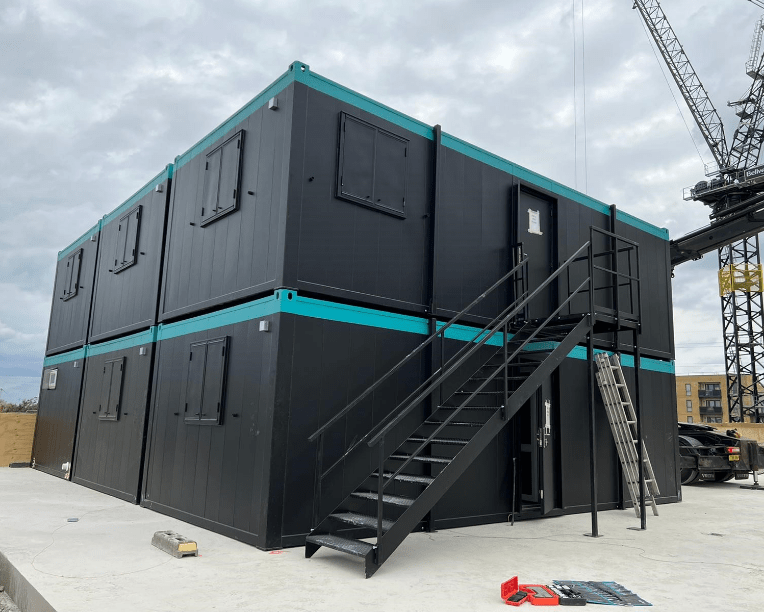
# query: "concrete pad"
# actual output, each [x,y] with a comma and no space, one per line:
[701,554]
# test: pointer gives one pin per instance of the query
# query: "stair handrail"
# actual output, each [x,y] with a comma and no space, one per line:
[472,396]
[440,331]
[399,413]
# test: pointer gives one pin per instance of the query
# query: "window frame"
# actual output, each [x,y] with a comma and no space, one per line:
[687,389]
[72,282]
[119,266]
[114,400]
[370,201]
[201,400]
[207,219]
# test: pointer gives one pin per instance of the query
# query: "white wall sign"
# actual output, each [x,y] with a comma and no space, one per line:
[534,223]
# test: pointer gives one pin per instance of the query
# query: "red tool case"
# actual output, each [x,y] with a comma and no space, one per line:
[511,586]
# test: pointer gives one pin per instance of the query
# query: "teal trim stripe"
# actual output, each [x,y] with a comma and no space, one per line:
[470,150]
[245,111]
[142,192]
[335,90]
[467,334]
[343,313]
[64,357]
[228,316]
[627,361]
[82,239]
[146,337]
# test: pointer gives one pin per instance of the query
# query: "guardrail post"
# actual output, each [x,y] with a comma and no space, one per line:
[590,365]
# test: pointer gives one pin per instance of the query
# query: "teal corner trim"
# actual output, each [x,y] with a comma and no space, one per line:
[245,111]
[120,344]
[315,81]
[228,316]
[64,357]
[142,192]
[82,239]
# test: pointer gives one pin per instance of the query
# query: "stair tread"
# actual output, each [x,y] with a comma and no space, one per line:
[395,500]
[361,520]
[455,423]
[425,480]
[478,392]
[470,407]
[422,458]
[346,545]
[460,441]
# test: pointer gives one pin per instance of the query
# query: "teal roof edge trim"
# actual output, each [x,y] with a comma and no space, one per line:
[245,111]
[470,150]
[64,357]
[141,193]
[82,239]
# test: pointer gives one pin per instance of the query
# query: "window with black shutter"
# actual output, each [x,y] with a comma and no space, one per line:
[111,389]
[205,387]
[128,229]
[222,174]
[372,166]
[72,278]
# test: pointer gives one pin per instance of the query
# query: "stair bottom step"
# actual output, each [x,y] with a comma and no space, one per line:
[346,545]
[361,520]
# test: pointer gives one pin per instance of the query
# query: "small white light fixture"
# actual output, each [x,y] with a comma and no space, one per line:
[159,188]
[265,326]
[76,364]
[94,237]
[273,103]
[142,351]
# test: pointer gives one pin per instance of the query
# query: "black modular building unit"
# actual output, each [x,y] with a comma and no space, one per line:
[59,402]
[111,429]
[72,294]
[130,262]
[248,470]
[310,242]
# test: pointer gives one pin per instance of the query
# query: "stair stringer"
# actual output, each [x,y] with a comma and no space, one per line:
[450,474]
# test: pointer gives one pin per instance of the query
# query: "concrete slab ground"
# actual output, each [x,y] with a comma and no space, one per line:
[702,554]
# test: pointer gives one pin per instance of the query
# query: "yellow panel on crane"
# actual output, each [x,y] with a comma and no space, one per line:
[741,277]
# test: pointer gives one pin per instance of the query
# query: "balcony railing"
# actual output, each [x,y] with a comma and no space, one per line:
[707,393]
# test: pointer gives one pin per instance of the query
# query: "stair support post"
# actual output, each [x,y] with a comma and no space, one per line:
[506,379]
[590,365]
[640,443]
[380,501]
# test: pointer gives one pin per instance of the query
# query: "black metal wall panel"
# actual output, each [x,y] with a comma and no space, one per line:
[659,431]
[70,311]
[126,299]
[57,419]
[109,450]
[214,475]
[236,253]
[347,247]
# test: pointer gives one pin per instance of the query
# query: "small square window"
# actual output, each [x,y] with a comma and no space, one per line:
[689,404]
[689,419]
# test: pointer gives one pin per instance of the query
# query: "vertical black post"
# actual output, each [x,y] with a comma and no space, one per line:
[638,410]
[616,278]
[506,379]
[319,475]
[380,496]
[590,363]
[430,355]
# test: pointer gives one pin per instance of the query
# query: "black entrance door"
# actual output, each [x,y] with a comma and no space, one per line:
[536,229]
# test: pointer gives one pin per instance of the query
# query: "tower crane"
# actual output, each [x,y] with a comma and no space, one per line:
[735,195]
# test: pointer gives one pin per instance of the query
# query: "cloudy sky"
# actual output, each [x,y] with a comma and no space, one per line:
[96,97]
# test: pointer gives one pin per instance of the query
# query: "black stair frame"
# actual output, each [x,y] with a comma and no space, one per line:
[574,329]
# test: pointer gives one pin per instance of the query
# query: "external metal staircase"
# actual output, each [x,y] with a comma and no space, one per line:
[426,443]
[623,424]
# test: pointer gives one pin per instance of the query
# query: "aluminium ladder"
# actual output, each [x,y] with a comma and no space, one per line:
[623,424]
